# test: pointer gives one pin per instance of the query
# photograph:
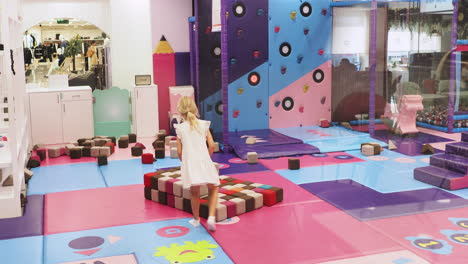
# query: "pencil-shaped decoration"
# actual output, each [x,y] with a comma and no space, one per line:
[164,72]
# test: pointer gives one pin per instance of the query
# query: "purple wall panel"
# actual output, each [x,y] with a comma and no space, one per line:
[248,37]
[182,63]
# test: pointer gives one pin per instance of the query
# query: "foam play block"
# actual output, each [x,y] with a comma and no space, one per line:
[177,189]
[123,143]
[34,162]
[269,196]
[99,142]
[137,151]
[104,151]
[38,146]
[258,197]
[132,138]
[230,208]
[89,143]
[179,202]
[370,149]
[427,149]
[162,183]
[170,185]
[111,146]
[162,131]
[124,137]
[174,154]
[148,192]
[240,205]
[391,145]
[154,144]
[250,141]
[170,200]
[27,175]
[294,164]
[252,157]
[324,124]
[75,153]
[162,197]
[54,152]
[160,153]
[8,181]
[221,212]
[86,152]
[187,205]
[161,137]
[102,160]
[249,202]
[95,151]
[173,144]
[68,147]
[154,195]
[138,144]
[113,140]
[42,153]
[81,141]
[168,139]
[147,178]
[204,209]
[147,158]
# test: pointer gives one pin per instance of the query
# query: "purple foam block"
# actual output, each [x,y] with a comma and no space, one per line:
[451,162]
[439,177]
[30,224]
[459,148]
[365,204]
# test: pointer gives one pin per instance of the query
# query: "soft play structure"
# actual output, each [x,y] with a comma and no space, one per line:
[447,170]
[269,66]
[235,196]
[403,120]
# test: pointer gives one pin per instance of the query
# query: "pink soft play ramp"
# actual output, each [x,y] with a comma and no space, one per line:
[103,207]
[304,102]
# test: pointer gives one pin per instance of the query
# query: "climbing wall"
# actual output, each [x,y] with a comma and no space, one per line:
[279,63]
[209,66]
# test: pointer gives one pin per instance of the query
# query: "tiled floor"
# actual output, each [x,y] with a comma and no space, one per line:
[339,208]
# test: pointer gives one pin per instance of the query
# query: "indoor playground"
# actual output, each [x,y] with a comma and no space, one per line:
[340,129]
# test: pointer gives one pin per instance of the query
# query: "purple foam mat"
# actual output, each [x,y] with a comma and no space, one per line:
[30,224]
[236,167]
[451,162]
[366,204]
[270,144]
[436,176]
[409,145]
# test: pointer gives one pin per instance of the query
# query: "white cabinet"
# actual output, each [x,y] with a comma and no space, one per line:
[61,115]
[145,110]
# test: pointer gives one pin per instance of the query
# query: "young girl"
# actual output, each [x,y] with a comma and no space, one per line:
[197,167]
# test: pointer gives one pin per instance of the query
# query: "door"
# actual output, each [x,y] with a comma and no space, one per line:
[46,118]
[77,120]
[147,122]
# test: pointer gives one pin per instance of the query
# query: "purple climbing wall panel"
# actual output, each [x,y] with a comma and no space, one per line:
[247,30]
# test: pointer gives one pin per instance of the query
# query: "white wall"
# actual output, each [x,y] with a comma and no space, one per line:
[93,11]
[131,41]
[170,18]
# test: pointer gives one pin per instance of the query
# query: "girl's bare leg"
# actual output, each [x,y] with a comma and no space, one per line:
[195,201]
[212,202]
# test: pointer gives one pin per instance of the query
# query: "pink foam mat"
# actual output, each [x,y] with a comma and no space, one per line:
[426,225]
[292,192]
[300,233]
[103,207]
[309,161]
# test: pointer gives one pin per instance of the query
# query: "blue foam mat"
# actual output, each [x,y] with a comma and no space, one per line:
[126,172]
[142,240]
[68,177]
[25,250]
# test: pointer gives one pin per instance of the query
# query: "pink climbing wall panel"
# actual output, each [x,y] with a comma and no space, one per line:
[304,102]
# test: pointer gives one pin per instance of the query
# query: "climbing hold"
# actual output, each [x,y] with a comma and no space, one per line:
[277,29]
[277,103]
[240,91]
[254,78]
[259,104]
[323,99]
[306,9]
[299,59]
[219,108]
[236,114]
[240,32]
[324,12]
[288,103]
[208,30]
[238,9]
[306,31]
[233,61]
[320,52]
[293,15]
[285,49]
[260,12]
[306,88]
[256,54]
[318,76]
[216,51]
[301,109]
[283,70]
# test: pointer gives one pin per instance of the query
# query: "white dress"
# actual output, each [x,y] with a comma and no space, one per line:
[197,168]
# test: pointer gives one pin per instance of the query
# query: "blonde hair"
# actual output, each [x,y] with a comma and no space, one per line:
[189,111]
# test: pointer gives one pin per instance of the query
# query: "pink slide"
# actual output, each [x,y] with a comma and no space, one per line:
[404,119]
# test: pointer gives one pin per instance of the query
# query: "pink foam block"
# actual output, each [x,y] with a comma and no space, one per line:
[307,96]
[231,208]
[102,207]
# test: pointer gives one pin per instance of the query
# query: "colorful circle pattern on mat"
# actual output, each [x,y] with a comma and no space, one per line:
[344,157]
[237,161]
[86,242]
[377,158]
[224,166]
[173,231]
[405,160]
[320,155]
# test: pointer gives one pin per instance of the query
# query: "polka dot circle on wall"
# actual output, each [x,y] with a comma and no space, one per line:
[288,103]
[216,52]
[285,49]
[318,76]
[306,9]
[254,78]
[238,9]
[219,108]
